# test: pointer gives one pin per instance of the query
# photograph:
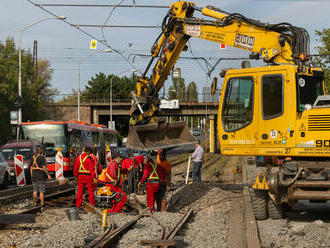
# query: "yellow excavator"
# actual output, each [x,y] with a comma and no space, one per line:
[278,112]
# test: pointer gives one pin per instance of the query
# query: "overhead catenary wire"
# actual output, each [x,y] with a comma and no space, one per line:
[108,17]
[104,5]
[86,33]
[116,26]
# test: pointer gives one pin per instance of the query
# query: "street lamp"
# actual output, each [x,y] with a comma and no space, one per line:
[119,74]
[90,55]
[20,116]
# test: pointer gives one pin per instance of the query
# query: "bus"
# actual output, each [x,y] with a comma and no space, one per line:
[71,137]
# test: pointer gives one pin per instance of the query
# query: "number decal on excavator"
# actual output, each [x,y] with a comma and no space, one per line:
[322,143]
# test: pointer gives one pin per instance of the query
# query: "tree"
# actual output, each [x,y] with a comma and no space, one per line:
[324,49]
[192,95]
[98,87]
[36,88]
[177,90]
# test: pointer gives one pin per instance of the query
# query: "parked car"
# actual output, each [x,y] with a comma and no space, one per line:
[197,132]
[4,175]
[124,151]
[27,149]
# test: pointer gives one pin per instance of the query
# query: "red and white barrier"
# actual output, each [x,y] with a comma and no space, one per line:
[19,168]
[59,165]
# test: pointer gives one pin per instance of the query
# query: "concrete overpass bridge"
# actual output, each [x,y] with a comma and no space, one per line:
[99,113]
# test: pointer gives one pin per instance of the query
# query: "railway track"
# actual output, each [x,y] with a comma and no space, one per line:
[112,234]
[25,192]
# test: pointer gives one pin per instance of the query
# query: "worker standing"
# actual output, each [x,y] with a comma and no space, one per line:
[165,186]
[84,169]
[197,156]
[113,180]
[154,175]
[139,163]
[39,172]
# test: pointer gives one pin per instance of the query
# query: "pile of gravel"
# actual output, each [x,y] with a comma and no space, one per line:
[54,230]
[207,226]
[295,234]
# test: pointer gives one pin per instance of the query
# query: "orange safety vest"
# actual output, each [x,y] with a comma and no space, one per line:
[82,168]
[153,175]
[35,164]
[111,179]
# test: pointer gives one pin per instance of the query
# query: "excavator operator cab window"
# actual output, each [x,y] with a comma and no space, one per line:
[237,111]
[272,96]
[308,89]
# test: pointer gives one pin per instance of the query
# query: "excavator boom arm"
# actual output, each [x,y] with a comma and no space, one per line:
[275,43]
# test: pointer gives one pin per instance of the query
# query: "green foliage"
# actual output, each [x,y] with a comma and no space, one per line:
[36,88]
[324,49]
[185,94]
[192,94]
[179,91]
[98,88]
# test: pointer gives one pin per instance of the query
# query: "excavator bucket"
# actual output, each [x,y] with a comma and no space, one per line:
[153,136]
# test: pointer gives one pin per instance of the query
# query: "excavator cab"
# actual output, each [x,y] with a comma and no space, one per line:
[273,111]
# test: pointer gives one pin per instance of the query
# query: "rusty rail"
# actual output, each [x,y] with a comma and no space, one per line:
[167,239]
[107,239]
[9,195]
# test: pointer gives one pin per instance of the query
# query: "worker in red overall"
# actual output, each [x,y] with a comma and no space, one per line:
[113,180]
[84,169]
[154,175]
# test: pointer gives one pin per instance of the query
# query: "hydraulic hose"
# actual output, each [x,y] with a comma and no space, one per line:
[291,181]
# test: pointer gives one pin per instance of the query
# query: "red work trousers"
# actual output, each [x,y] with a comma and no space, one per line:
[152,190]
[82,181]
[117,207]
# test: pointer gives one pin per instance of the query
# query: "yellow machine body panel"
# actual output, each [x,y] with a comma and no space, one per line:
[268,111]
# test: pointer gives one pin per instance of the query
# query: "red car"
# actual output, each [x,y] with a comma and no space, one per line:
[26,148]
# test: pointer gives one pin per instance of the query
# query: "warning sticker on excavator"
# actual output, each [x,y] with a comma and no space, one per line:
[193,30]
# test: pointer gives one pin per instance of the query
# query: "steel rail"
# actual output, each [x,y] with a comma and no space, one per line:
[167,239]
[19,189]
[108,239]
[177,227]
[20,192]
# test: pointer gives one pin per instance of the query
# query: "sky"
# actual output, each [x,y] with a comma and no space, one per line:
[66,47]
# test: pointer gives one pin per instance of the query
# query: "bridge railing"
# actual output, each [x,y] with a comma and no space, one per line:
[73,99]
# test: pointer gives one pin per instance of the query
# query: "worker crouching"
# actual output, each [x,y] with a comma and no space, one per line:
[113,180]
[84,169]
[154,175]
